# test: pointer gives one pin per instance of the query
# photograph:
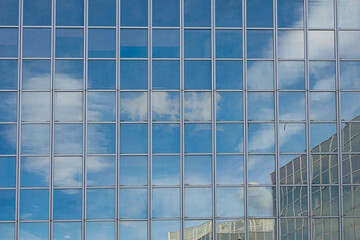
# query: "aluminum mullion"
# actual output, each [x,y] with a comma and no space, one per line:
[213,118]
[117,119]
[182,124]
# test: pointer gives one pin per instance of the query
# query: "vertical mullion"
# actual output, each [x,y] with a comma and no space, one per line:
[117,118]
[182,125]
[213,118]
[149,165]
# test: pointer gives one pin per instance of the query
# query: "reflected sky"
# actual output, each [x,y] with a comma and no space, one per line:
[100,170]
[349,110]
[197,138]
[260,106]
[102,43]
[101,138]
[36,42]
[70,12]
[292,106]
[197,170]
[197,106]
[291,44]
[133,43]
[292,137]
[69,74]
[38,231]
[101,106]
[198,202]
[68,171]
[321,14]
[133,203]
[8,77]
[261,201]
[102,12]
[100,230]
[319,132]
[67,204]
[165,13]
[229,169]
[165,106]
[35,106]
[348,44]
[69,42]
[322,75]
[161,229]
[322,106]
[197,13]
[290,13]
[8,139]
[321,44]
[166,138]
[165,74]
[260,75]
[100,203]
[34,204]
[229,138]
[197,74]
[291,75]
[350,75]
[8,42]
[165,202]
[229,106]
[35,138]
[9,14]
[101,74]
[68,106]
[133,74]
[259,13]
[166,43]
[228,13]
[7,172]
[197,43]
[136,138]
[68,138]
[133,230]
[260,43]
[133,106]
[348,14]
[260,168]
[133,170]
[7,205]
[165,170]
[261,137]
[230,201]
[67,230]
[229,74]
[134,12]
[8,106]
[7,231]
[228,43]
[35,171]
[35,74]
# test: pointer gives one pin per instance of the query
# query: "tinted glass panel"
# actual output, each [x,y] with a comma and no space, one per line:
[198,202]
[348,14]
[133,74]
[133,106]
[136,138]
[101,74]
[165,106]
[260,75]
[260,43]
[225,204]
[291,75]
[197,170]
[321,14]
[259,13]
[229,106]
[325,201]
[165,74]
[322,106]
[102,43]
[67,204]
[133,203]
[260,106]
[197,106]
[7,205]
[101,106]
[70,12]
[166,138]
[69,42]
[197,138]
[292,137]
[7,231]
[68,138]
[161,229]
[292,106]
[349,110]
[34,204]
[165,13]
[261,133]
[35,138]
[102,12]
[100,171]
[260,169]
[229,169]
[197,13]
[8,42]
[229,74]
[35,106]
[7,172]
[8,76]
[35,171]
[228,43]
[8,106]
[133,43]
[38,230]
[134,12]
[197,74]
[36,42]
[100,203]
[69,74]
[9,14]
[291,44]
[36,74]
[63,230]
[228,13]
[348,44]
[37,12]
[293,201]
[166,43]
[101,138]
[133,170]
[229,138]
[100,230]
[68,171]
[261,201]
[133,230]
[68,106]
[321,44]
[8,139]
[350,75]
[166,202]
[322,75]
[290,13]
[165,170]
[197,43]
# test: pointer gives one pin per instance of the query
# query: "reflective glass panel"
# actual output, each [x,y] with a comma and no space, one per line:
[133,170]
[100,203]
[101,74]
[291,75]
[165,13]
[68,106]
[34,230]
[293,201]
[69,12]
[8,106]
[69,74]
[197,43]
[165,106]
[34,204]
[35,171]
[260,43]
[166,43]
[101,138]
[324,169]
[291,43]
[350,75]
[261,169]
[290,13]
[228,13]
[165,170]
[322,106]
[36,42]
[229,74]
[321,14]
[325,200]
[348,12]
[67,204]
[197,74]
[349,110]
[133,230]
[9,72]
[350,168]
[67,171]
[134,13]
[35,139]
[100,230]
[198,202]
[67,230]
[165,74]
[7,205]
[197,13]
[260,106]
[292,106]
[229,138]
[351,228]
[321,44]
[322,75]
[351,200]
[133,106]
[323,137]
[260,75]
[35,106]
[100,170]
[166,138]
[36,74]
[292,137]
[101,106]
[7,172]
[68,138]
[102,12]
[294,227]
[197,170]
[7,231]
[197,228]
[229,201]
[37,12]
[133,203]
[261,137]
[166,202]
[228,43]
[133,43]
[8,139]
[9,15]
[293,169]
[162,229]
[350,137]
[348,44]
[133,74]
[229,169]
[69,42]
[259,13]
[102,43]
[133,138]
[197,106]
[8,42]
[229,106]
[261,201]
[197,138]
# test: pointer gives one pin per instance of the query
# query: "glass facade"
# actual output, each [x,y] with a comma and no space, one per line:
[179,119]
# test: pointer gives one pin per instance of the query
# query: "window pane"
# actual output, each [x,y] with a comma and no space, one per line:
[37,12]
[8,106]
[350,75]
[349,140]
[229,44]
[68,138]
[259,43]
[165,13]
[68,171]
[101,106]
[292,137]
[197,74]
[133,230]
[166,202]
[351,196]
[7,205]
[351,228]
[134,13]
[349,110]
[197,106]
[291,75]
[228,13]
[261,137]
[101,74]
[292,106]
[229,74]
[8,139]
[197,170]
[197,138]
[133,203]
[7,230]
[260,106]
[229,138]
[230,202]
[321,44]
[322,106]
[197,228]
[166,43]
[9,72]
[133,170]
[69,12]
[322,75]
[197,13]
[133,106]
[165,170]
[35,106]
[260,75]
[197,43]
[100,170]
[37,230]
[69,74]
[100,230]
[293,169]
[349,14]
[350,168]
[36,42]
[229,169]
[133,74]
[35,139]
[136,138]
[198,202]
[229,106]
[100,203]
[62,230]
[261,202]
[8,42]
[293,201]
[36,74]
[165,74]
[9,15]
[261,169]
[325,200]
[68,106]
[102,43]
[7,172]
[165,106]
[291,44]
[290,13]
[323,137]
[161,229]
[324,169]
[35,171]
[34,204]
[102,12]
[348,44]
[133,43]
[259,13]
[166,138]
[67,204]
[321,14]
[69,42]
[101,139]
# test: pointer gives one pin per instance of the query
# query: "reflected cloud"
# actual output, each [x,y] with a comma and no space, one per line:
[68,171]
[165,105]
[198,106]
[133,106]
[261,201]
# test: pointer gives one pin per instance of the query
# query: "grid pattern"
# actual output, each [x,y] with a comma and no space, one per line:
[171,120]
